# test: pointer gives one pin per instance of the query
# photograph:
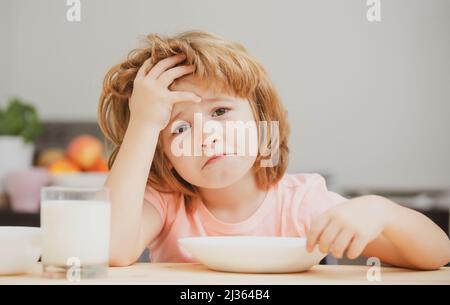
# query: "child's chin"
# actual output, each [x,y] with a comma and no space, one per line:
[217,181]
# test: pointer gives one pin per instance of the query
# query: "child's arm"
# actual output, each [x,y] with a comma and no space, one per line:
[377,227]
[127,180]
[133,224]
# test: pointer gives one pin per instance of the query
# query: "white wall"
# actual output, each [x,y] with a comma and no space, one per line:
[368,102]
[6,35]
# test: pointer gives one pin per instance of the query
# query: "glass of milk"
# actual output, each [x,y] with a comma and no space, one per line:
[75,226]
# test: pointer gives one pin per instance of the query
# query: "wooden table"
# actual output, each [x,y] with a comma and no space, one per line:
[197,274]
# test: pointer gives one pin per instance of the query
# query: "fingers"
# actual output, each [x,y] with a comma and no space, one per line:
[328,236]
[143,70]
[316,229]
[357,246]
[184,96]
[165,64]
[341,243]
[170,75]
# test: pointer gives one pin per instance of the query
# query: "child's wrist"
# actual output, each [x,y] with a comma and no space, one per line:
[391,211]
[137,121]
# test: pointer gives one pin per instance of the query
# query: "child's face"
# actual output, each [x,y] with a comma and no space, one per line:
[214,112]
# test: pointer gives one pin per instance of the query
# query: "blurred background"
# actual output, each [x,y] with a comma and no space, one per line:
[368,102]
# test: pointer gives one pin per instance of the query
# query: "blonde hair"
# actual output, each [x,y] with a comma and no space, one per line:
[224,63]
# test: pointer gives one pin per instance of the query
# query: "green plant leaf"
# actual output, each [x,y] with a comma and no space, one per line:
[20,118]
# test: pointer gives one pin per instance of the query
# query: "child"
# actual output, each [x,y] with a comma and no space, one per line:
[153,99]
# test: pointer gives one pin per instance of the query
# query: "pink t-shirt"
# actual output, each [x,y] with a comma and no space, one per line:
[287,210]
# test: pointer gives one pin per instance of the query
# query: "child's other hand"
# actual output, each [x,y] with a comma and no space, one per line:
[350,226]
[151,101]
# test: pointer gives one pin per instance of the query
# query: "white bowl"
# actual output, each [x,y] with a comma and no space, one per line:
[86,179]
[20,249]
[252,254]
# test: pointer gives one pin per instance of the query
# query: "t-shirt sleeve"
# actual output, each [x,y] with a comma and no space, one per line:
[317,199]
[157,200]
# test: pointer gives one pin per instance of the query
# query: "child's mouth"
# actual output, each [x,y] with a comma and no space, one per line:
[215,158]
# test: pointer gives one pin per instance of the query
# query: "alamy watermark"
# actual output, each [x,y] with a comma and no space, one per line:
[73,14]
[374,272]
[232,138]
[374,11]
[73,273]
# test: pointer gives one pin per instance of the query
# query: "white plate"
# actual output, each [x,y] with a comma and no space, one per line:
[252,254]
[20,249]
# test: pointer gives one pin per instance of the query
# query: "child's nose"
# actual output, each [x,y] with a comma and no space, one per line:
[209,144]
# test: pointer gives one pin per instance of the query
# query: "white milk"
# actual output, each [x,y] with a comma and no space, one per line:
[72,228]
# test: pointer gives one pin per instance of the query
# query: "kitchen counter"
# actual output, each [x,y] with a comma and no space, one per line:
[197,274]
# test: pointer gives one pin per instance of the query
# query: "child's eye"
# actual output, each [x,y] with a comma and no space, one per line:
[181,128]
[220,111]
